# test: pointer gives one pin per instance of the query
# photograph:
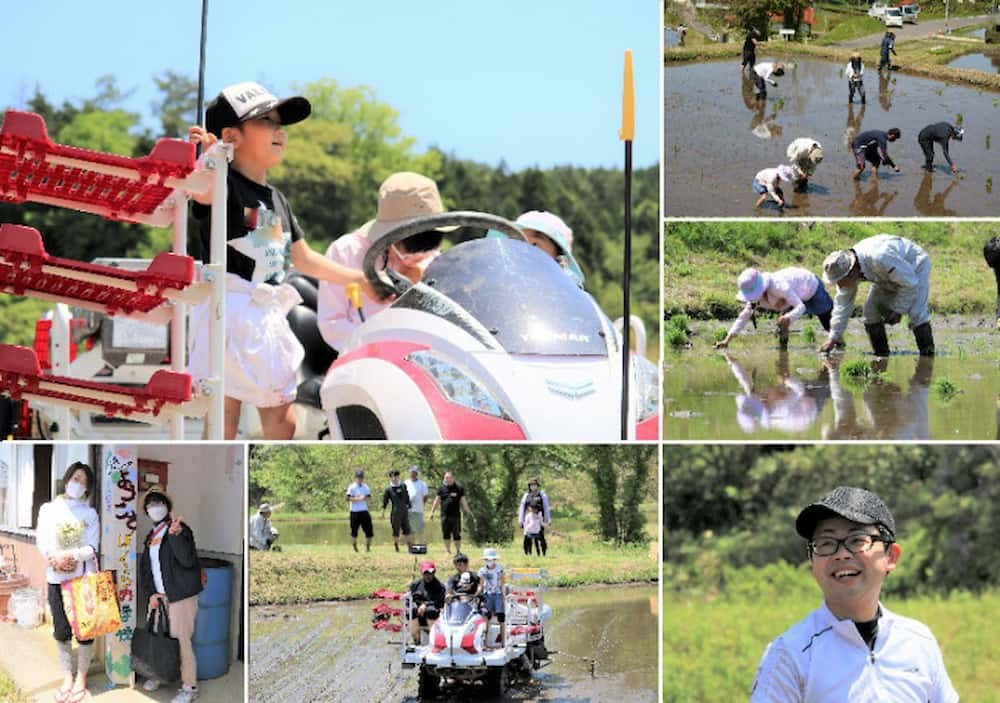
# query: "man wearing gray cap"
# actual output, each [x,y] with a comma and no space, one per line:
[900,273]
[852,648]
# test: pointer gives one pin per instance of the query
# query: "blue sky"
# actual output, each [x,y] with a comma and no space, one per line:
[530,82]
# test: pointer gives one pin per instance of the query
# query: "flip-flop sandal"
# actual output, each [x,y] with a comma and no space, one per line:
[61,695]
[78,696]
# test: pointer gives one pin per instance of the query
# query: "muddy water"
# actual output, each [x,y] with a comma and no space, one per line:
[328,652]
[717,138]
[755,391]
[979,62]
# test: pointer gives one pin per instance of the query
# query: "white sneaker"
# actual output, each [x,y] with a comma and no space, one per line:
[150,685]
[185,695]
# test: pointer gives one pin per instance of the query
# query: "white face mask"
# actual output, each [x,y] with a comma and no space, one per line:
[157,512]
[75,490]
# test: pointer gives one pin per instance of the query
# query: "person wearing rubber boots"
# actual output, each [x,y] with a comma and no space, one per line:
[852,648]
[900,272]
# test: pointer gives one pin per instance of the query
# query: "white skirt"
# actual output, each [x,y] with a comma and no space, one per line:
[263,356]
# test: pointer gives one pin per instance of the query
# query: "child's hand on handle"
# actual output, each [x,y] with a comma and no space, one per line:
[199,135]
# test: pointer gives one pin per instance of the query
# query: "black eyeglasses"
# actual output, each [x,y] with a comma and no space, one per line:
[855,544]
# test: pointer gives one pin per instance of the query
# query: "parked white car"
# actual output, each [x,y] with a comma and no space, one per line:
[910,13]
[877,10]
[893,17]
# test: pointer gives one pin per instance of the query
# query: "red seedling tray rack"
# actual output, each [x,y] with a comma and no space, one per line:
[26,268]
[21,374]
[34,168]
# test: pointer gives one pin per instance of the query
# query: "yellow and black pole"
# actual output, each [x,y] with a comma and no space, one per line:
[626,134]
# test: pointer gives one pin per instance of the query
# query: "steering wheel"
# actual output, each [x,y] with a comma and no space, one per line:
[388,282]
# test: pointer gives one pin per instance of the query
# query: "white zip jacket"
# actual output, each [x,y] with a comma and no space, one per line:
[899,271]
[824,660]
[65,523]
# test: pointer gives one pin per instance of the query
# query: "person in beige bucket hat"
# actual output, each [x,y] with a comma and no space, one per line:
[899,271]
[401,197]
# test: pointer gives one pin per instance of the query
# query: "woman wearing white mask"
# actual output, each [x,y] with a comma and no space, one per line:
[68,536]
[169,570]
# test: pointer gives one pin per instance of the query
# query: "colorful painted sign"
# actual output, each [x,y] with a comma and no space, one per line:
[119,488]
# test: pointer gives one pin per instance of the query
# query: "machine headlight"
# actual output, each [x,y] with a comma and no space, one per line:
[458,386]
[646,380]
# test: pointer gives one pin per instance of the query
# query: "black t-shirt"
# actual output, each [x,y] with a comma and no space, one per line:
[451,499]
[463,588]
[398,496]
[260,230]
[432,592]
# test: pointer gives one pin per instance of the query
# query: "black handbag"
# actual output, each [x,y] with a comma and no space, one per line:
[155,654]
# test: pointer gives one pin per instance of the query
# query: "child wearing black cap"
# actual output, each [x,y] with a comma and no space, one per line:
[263,237]
[852,648]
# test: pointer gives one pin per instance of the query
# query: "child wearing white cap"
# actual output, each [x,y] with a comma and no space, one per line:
[491,583]
[264,239]
[765,184]
[792,291]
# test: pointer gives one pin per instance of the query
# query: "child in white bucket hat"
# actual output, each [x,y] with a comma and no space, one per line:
[491,583]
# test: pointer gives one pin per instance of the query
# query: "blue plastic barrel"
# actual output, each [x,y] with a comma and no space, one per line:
[211,628]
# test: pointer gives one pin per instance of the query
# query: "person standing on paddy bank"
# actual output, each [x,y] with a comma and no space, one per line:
[358,494]
[852,649]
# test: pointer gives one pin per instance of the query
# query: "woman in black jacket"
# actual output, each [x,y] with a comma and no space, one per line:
[169,570]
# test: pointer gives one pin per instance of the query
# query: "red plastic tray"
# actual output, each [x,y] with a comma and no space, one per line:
[27,171]
[22,256]
[20,373]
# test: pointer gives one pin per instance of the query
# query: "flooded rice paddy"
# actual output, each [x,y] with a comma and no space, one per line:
[606,639]
[990,63]
[717,137]
[754,391]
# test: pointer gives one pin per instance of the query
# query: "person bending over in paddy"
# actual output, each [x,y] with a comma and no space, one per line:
[791,291]
[804,154]
[873,147]
[900,273]
[940,132]
[766,184]
[762,75]
[852,648]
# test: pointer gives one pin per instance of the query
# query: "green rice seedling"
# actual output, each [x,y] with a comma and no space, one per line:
[945,388]
[675,337]
[959,118]
[719,334]
[809,333]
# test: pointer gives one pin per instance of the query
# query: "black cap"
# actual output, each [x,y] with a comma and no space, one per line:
[459,557]
[246,101]
[359,473]
[394,472]
[855,504]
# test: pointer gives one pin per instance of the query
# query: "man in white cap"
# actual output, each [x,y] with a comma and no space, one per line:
[900,273]
[549,233]
[263,535]
[765,184]
[792,291]
[942,133]
[402,196]
[852,648]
